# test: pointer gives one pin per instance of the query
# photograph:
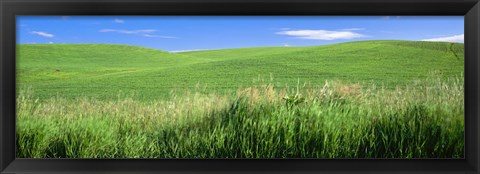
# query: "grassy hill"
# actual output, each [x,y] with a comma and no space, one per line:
[348,117]
[104,71]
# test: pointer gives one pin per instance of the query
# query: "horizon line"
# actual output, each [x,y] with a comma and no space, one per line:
[212,49]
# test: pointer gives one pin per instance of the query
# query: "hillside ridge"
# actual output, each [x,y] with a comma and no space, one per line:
[88,69]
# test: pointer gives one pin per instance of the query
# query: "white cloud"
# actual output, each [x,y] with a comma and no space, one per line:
[321,34]
[454,38]
[50,42]
[143,32]
[159,36]
[41,33]
[119,21]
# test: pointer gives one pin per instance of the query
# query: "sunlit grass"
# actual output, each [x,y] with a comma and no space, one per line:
[422,119]
[102,70]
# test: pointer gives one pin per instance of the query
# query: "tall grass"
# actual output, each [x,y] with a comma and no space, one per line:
[336,120]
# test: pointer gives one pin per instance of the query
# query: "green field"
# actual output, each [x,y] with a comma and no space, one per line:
[367,99]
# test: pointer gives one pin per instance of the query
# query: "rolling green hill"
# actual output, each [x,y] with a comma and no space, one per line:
[74,101]
[105,71]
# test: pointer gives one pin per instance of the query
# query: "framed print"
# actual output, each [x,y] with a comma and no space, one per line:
[239,86]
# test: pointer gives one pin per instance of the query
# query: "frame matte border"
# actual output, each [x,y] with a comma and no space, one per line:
[10,8]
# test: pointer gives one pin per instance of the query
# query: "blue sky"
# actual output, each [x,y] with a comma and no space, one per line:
[177,33]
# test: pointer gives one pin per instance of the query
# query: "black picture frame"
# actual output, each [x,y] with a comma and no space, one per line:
[470,9]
